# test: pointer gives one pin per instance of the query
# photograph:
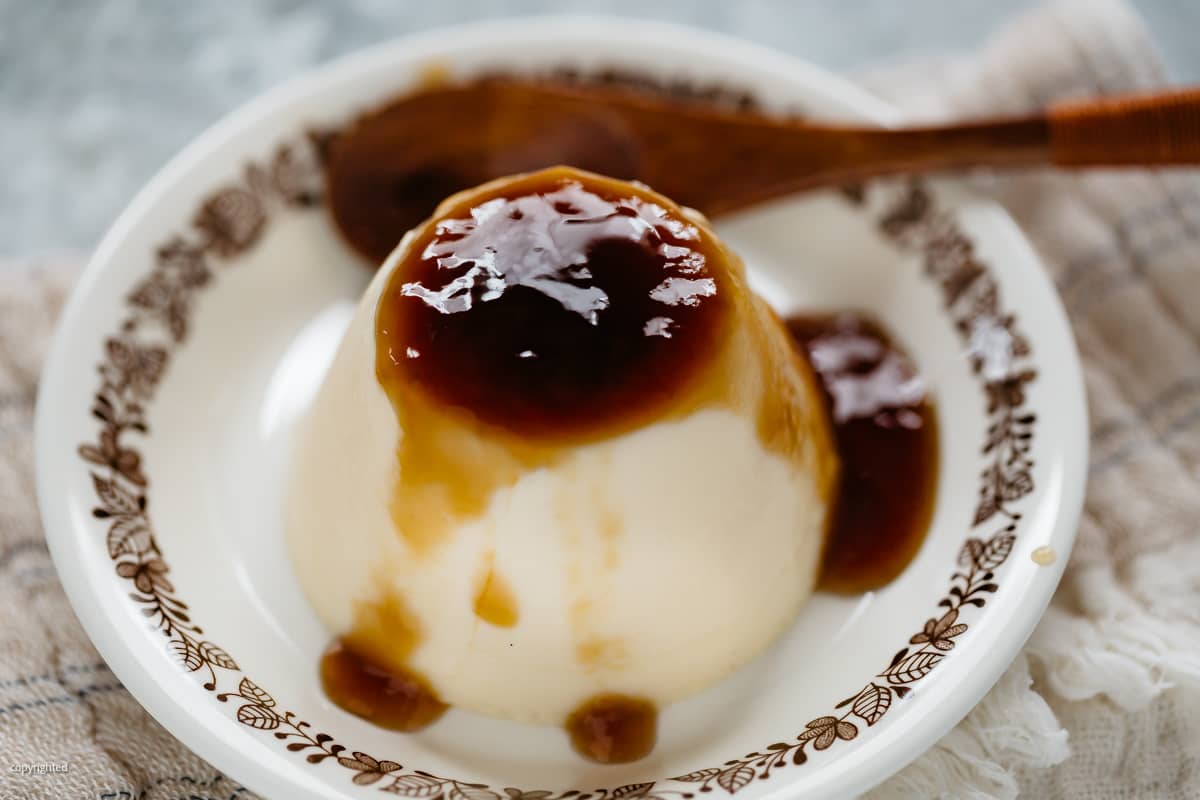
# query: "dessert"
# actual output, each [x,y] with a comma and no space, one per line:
[564,463]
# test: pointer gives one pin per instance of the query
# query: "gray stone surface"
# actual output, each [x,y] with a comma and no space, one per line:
[96,96]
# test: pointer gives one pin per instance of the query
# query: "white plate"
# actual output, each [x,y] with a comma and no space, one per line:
[217,299]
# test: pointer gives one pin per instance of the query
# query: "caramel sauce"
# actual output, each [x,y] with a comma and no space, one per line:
[390,697]
[613,729]
[448,468]
[543,312]
[495,602]
[365,672]
[384,630]
[545,306]
[887,440]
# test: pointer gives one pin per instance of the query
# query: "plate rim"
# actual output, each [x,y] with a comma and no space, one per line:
[178,716]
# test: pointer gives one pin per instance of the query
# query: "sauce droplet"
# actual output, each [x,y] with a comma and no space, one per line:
[885,430]
[495,602]
[613,728]
[400,700]
[1044,556]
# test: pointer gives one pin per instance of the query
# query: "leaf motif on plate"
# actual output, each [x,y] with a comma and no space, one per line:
[520,794]
[735,779]
[1017,485]
[987,508]
[257,716]
[415,785]
[232,220]
[822,731]
[252,691]
[872,703]
[970,553]
[996,552]
[466,791]
[698,776]
[373,774]
[217,657]
[128,535]
[115,499]
[188,654]
[914,667]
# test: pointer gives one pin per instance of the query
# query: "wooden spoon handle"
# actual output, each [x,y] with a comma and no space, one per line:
[1153,129]
[1160,129]
[760,158]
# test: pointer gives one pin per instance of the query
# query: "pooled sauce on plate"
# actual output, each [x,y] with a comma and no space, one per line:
[887,440]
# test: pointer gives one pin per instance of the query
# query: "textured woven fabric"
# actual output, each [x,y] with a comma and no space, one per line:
[1105,700]
[60,706]
[1116,659]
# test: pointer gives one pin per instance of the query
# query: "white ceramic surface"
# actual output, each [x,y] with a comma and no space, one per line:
[244,350]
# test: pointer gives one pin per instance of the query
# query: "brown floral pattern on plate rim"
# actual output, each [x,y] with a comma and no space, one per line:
[230,222]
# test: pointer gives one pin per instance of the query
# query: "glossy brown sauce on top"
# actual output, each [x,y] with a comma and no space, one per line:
[886,433]
[554,307]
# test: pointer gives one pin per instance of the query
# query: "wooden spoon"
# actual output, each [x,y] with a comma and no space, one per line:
[388,170]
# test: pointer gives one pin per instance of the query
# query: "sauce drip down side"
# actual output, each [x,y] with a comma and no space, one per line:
[364,671]
[392,698]
[886,433]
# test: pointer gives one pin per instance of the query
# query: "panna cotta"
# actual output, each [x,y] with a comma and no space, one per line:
[563,456]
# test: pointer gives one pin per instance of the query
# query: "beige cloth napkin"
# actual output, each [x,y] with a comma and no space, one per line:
[1105,700]
[1116,659]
